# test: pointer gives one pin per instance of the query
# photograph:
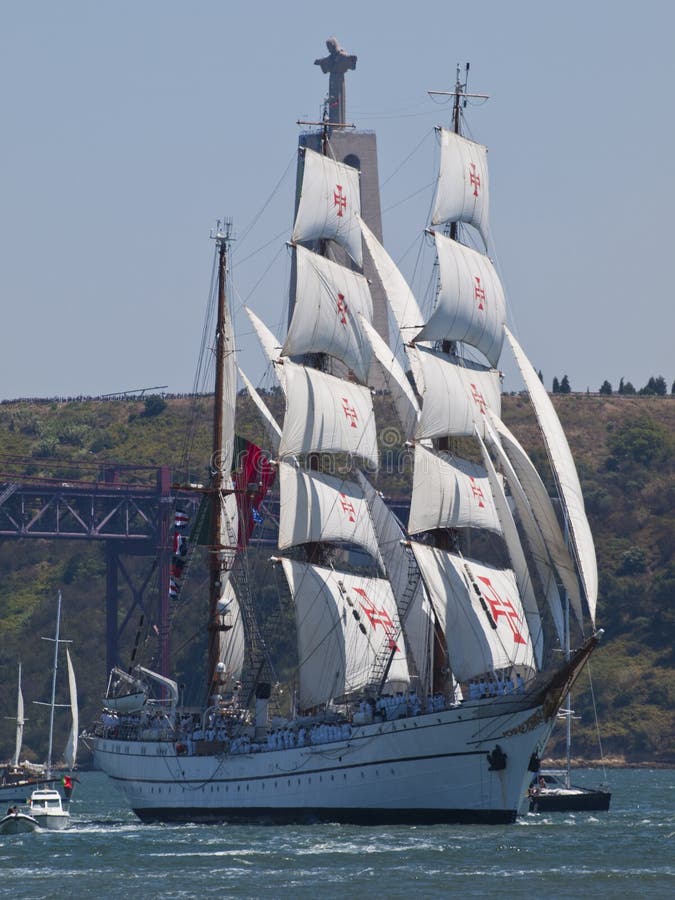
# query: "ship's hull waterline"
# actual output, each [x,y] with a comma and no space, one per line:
[430,768]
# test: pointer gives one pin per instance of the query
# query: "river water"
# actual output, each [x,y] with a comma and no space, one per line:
[107,853]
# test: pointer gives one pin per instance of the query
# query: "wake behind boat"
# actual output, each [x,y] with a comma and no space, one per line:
[428,679]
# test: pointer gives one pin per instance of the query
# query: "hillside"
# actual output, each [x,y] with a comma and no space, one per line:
[624,451]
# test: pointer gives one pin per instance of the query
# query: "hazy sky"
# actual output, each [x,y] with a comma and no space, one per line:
[128,128]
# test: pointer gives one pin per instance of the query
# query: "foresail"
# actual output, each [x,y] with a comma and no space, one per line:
[449,492]
[470,305]
[319,507]
[479,610]
[70,753]
[330,299]
[346,624]
[462,193]
[330,204]
[455,395]
[325,414]
[566,476]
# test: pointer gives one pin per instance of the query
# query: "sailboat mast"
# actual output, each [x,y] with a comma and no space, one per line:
[53,700]
[221,452]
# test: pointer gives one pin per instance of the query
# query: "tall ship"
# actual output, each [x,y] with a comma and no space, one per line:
[428,677]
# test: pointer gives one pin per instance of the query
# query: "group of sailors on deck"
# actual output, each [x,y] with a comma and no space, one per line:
[495,686]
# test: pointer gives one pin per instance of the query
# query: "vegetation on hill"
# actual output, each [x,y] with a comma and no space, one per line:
[623,445]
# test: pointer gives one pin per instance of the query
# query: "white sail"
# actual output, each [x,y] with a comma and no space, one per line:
[346,623]
[318,507]
[330,204]
[449,492]
[269,343]
[232,643]
[516,555]
[328,303]
[20,721]
[272,429]
[395,381]
[470,305]
[455,395]
[70,753]
[413,604]
[544,514]
[401,299]
[566,476]
[462,192]
[327,414]
[533,534]
[479,610]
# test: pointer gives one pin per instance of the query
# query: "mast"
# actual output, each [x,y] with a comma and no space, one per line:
[222,450]
[19,722]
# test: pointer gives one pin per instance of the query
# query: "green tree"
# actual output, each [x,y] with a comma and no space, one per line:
[565,385]
[556,385]
[154,405]
[605,387]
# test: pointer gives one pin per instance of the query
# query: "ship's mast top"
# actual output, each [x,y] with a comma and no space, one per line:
[460,96]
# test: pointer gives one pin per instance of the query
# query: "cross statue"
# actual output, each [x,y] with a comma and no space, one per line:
[336,63]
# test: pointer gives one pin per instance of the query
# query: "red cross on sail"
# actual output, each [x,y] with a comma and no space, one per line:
[350,412]
[478,398]
[348,507]
[474,178]
[477,492]
[502,607]
[378,617]
[339,200]
[342,308]
[478,292]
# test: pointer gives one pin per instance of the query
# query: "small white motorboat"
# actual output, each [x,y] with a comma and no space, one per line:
[46,807]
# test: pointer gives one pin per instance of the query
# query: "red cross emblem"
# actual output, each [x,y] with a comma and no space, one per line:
[378,617]
[348,507]
[478,399]
[474,178]
[478,292]
[339,200]
[342,308]
[502,607]
[350,412]
[477,492]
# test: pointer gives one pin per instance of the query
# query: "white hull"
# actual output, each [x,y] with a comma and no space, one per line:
[52,821]
[428,768]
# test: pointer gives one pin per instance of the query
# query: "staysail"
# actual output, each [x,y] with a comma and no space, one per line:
[566,475]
